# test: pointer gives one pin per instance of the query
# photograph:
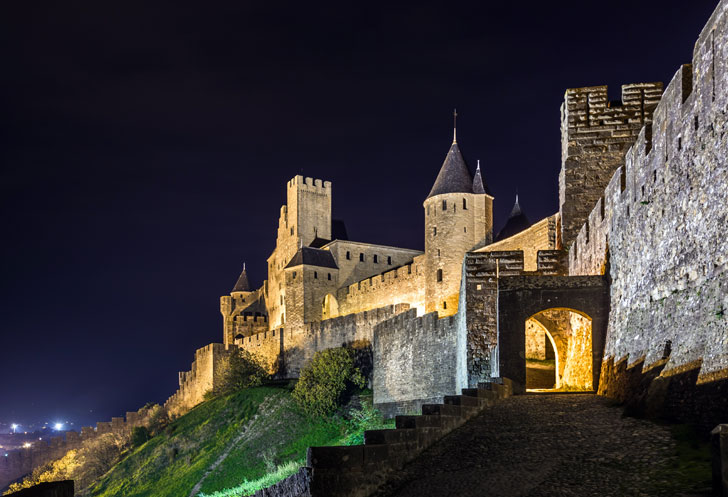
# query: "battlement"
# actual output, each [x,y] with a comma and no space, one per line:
[310,184]
[659,225]
[590,107]
[16,463]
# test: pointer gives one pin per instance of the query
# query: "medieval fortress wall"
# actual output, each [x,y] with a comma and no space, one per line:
[659,228]
[205,374]
[16,463]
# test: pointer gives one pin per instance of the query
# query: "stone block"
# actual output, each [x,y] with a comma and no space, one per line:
[341,458]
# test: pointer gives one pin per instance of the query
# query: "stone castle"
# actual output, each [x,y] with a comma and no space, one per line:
[628,279]
[623,291]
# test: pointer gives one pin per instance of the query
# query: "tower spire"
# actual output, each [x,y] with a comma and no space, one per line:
[455,126]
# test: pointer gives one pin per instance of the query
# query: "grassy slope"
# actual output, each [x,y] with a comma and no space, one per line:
[171,463]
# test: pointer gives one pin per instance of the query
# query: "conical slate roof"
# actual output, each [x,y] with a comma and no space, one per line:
[242,285]
[517,222]
[479,185]
[454,176]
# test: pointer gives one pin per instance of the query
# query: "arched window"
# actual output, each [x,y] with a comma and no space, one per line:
[439,275]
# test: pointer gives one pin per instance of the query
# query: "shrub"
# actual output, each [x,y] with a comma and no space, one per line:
[139,436]
[244,370]
[326,380]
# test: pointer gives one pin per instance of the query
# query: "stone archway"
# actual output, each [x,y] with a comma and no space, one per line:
[521,297]
[569,332]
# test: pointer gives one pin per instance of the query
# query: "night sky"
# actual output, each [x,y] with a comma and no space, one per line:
[145,149]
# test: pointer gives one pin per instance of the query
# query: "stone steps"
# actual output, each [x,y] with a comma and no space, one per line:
[357,471]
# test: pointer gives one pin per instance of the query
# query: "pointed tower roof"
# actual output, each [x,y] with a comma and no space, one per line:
[479,185]
[242,285]
[517,222]
[454,176]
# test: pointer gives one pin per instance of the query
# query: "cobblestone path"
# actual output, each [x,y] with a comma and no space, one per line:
[543,445]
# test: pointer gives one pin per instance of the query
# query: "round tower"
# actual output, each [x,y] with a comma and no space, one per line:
[458,219]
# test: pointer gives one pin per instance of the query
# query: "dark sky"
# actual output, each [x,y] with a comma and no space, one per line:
[145,147]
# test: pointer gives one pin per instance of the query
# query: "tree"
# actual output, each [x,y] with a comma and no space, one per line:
[325,381]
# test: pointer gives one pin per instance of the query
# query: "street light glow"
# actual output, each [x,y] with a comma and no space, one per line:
[14,427]
[58,426]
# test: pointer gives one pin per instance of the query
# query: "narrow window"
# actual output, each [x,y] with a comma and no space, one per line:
[361,257]
[465,229]
[444,205]
[434,231]
[389,260]
[291,231]
[465,204]
[439,275]
[679,142]
[438,252]
[315,275]
[294,275]
[376,259]
[348,255]
[696,123]
[329,276]
[281,299]
[444,305]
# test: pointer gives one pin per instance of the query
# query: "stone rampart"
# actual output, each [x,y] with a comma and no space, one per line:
[286,350]
[542,235]
[15,464]
[205,374]
[659,230]
[417,360]
[404,284]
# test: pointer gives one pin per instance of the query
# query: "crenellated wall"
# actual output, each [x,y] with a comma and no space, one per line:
[206,371]
[660,227]
[417,360]
[286,350]
[542,235]
[595,135]
[404,284]
[15,464]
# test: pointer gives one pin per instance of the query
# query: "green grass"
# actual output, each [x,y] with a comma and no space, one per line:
[250,487]
[272,447]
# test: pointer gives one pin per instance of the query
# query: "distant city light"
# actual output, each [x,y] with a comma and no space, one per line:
[26,445]
[58,426]
[14,427]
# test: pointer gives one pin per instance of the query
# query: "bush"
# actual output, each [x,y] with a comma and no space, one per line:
[139,436]
[245,370]
[326,380]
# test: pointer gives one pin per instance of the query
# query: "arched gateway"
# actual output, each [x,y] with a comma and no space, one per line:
[522,297]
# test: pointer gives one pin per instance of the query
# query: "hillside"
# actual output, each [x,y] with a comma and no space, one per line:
[223,442]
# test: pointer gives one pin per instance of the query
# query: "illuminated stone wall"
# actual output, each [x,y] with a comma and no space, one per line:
[286,350]
[208,368]
[663,217]
[417,360]
[542,235]
[15,464]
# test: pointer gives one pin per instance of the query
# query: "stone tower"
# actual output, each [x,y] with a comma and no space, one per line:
[595,136]
[458,218]
[305,217]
